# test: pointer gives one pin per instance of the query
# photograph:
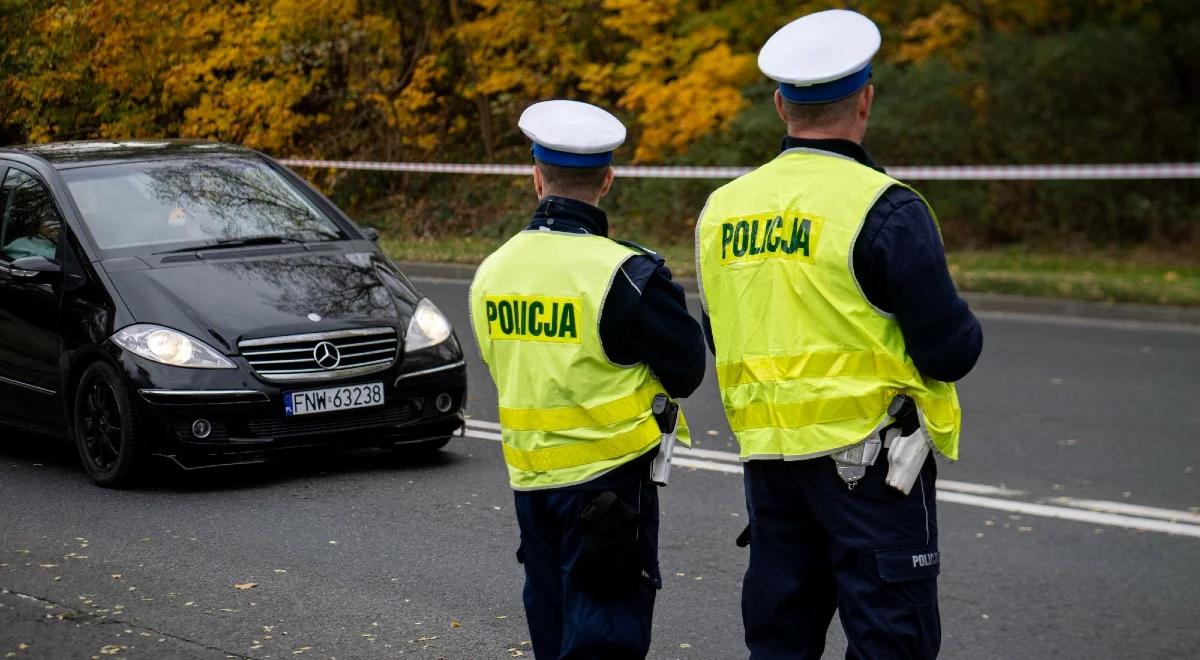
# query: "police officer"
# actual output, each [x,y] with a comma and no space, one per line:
[580,333]
[827,301]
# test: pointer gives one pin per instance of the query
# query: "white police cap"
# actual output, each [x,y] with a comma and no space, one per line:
[572,134]
[822,57]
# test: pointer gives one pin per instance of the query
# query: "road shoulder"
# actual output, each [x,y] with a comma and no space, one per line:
[980,302]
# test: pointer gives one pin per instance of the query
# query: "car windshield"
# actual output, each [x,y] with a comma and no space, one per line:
[199,201]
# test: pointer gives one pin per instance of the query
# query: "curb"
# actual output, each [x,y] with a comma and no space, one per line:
[980,302]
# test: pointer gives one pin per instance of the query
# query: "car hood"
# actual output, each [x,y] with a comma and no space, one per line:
[230,295]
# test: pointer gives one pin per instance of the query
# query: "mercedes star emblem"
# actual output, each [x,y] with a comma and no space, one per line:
[327,355]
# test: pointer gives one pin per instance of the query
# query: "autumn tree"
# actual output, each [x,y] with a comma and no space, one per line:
[352,79]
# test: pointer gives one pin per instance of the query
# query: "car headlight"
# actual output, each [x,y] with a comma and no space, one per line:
[428,327]
[170,347]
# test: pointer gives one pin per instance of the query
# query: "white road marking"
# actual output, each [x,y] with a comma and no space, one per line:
[712,466]
[726,456]
[1095,512]
[1130,509]
[1064,513]
[977,489]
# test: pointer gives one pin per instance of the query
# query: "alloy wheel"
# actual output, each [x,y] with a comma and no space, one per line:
[102,434]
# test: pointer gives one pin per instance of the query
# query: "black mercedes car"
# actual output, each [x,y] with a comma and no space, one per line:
[200,302]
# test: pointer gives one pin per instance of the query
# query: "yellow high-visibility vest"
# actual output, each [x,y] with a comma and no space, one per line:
[567,413]
[805,363]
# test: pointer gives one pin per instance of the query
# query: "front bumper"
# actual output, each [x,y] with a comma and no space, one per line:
[246,417]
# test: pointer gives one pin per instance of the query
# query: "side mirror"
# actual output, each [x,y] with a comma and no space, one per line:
[371,234]
[34,267]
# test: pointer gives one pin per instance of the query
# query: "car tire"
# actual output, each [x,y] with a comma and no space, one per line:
[104,427]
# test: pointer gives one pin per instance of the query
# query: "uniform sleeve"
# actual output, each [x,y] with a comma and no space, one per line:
[901,267]
[645,319]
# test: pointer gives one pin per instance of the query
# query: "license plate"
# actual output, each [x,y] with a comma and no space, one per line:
[329,399]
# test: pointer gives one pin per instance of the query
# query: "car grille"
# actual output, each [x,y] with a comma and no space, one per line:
[223,430]
[322,355]
[286,428]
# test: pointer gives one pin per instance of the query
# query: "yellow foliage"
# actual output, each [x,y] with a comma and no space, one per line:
[944,30]
[676,85]
[431,78]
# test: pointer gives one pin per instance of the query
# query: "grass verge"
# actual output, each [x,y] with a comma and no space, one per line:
[1137,277]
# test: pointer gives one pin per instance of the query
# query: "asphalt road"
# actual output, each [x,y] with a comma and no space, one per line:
[365,555]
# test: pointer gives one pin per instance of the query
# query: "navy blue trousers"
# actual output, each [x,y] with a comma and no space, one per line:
[565,623]
[816,546]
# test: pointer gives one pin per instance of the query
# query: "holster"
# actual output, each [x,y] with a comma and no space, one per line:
[609,559]
[666,415]
[907,443]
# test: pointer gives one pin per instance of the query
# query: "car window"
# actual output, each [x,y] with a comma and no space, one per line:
[192,201]
[29,224]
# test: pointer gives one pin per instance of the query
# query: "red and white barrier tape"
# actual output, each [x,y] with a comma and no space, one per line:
[913,173]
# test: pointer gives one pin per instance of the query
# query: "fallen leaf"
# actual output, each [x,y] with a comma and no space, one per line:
[280,570]
[245,585]
[302,649]
[455,624]
[111,649]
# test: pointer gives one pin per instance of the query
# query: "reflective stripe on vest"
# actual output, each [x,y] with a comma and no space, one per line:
[567,414]
[826,364]
[806,365]
[562,419]
[548,459]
